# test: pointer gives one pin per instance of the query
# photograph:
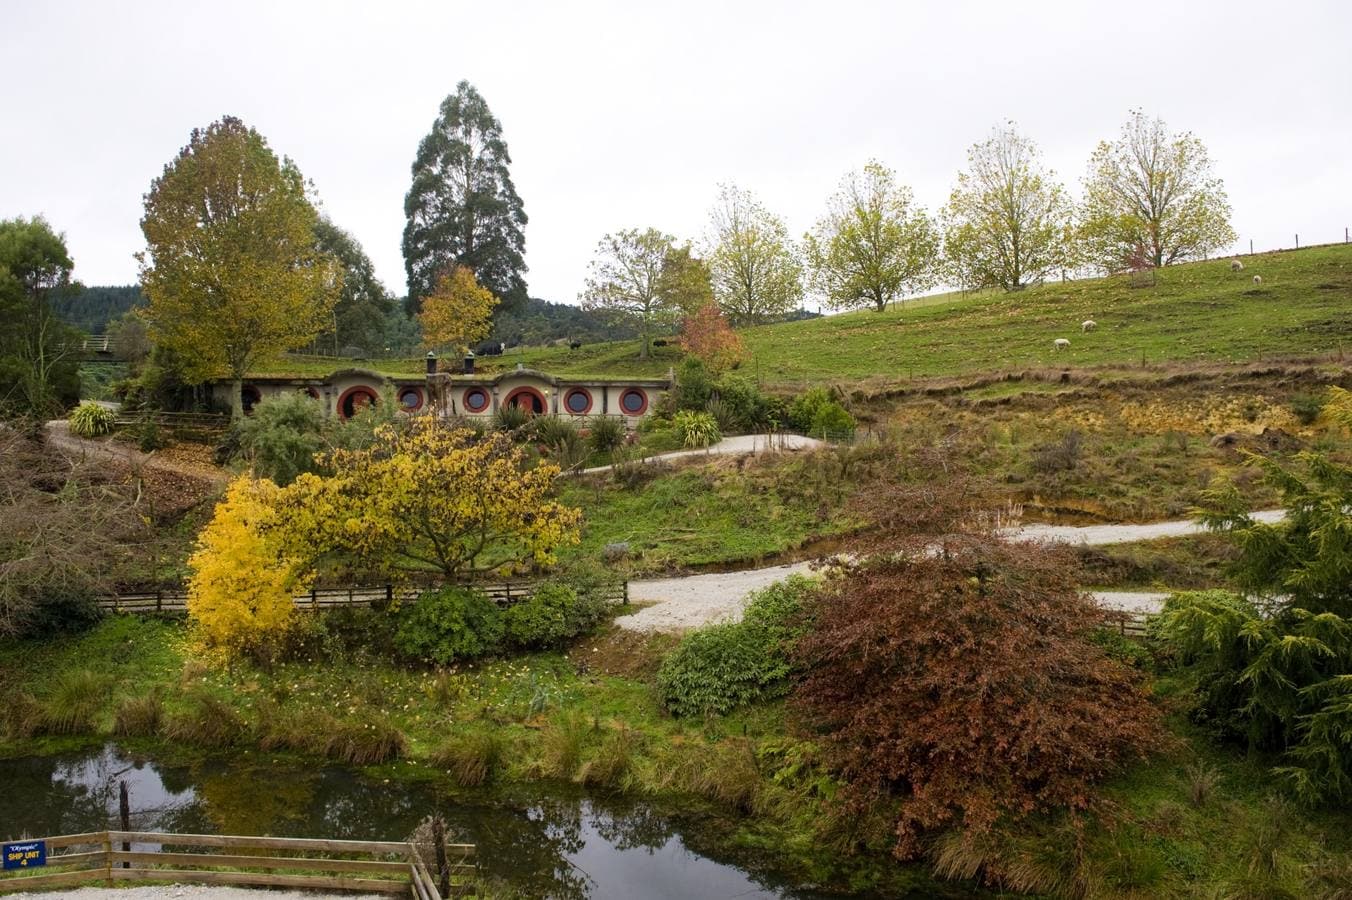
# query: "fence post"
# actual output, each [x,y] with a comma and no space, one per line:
[508,599]
[159,608]
[443,869]
[314,598]
[108,858]
[124,814]
[626,592]
[389,594]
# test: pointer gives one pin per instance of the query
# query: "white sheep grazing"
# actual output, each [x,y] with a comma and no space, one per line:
[1088,325]
[1258,279]
[1236,266]
[1060,344]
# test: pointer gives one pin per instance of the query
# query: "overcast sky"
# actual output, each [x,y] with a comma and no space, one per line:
[628,115]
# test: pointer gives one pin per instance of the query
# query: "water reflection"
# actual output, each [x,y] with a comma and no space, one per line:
[561,846]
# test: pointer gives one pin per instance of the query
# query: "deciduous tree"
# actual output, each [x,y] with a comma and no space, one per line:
[231,269]
[430,499]
[1155,189]
[706,335]
[363,303]
[1007,221]
[756,274]
[874,245]
[462,208]
[639,277]
[243,580]
[38,373]
[458,314]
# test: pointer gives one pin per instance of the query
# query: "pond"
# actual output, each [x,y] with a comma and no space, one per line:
[556,843]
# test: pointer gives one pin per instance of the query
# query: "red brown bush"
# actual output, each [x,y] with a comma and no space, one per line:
[961,681]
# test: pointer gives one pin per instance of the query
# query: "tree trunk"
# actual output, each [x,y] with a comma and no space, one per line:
[236,399]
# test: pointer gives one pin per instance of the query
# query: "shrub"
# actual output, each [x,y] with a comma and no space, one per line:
[138,716]
[922,671]
[818,413]
[696,429]
[605,433]
[89,419]
[694,385]
[747,407]
[542,620]
[608,768]
[1307,407]
[563,440]
[367,740]
[449,625]
[472,757]
[722,667]
[241,588]
[282,436]
[1062,456]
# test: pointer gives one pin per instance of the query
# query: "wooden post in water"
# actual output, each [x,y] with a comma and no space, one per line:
[443,869]
[124,814]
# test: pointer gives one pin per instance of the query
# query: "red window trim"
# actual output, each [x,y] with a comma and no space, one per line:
[642,409]
[517,392]
[488,399]
[568,395]
[352,391]
[417,406]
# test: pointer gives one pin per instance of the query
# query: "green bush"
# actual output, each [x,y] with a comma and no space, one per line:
[744,403]
[91,420]
[562,439]
[719,668]
[449,625]
[604,433]
[694,385]
[1307,407]
[555,613]
[696,429]
[818,413]
[282,436]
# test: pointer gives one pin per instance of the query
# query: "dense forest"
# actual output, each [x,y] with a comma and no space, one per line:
[90,309]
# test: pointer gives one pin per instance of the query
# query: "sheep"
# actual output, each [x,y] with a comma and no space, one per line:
[1060,344]
[1088,325]
[1236,265]
[1258,279]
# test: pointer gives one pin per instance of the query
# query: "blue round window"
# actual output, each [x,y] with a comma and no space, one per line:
[476,400]
[634,402]
[578,401]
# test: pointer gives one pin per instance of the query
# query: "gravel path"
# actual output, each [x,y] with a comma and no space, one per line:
[734,446]
[175,892]
[58,434]
[680,604]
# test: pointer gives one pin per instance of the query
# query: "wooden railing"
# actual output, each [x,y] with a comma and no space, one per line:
[173,601]
[377,867]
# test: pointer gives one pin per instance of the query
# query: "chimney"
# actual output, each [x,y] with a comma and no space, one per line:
[431,363]
[469,362]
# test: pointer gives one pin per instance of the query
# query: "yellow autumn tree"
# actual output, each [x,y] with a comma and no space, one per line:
[458,313]
[231,269]
[429,499]
[239,594]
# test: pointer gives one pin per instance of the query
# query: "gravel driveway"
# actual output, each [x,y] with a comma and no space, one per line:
[679,604]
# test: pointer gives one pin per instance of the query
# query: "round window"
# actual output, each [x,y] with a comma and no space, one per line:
[354,399]
[634,402]
[476,400]
[411,399]
[578,401]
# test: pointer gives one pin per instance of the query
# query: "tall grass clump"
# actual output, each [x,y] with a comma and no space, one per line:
[510,418]
[472,757]
[75,701]
[696,429]
[561,745]
[89,419]
[139,716]
[366,740]
[205,720]
[609,766]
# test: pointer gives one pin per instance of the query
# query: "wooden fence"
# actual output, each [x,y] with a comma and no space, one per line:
[377,867]
[175,601]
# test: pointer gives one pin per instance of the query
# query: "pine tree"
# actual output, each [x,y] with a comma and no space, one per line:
[462,208]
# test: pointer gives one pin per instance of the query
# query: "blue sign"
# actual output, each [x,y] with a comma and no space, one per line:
[25,854]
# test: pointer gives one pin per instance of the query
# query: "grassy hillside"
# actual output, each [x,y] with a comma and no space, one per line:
[1200,311]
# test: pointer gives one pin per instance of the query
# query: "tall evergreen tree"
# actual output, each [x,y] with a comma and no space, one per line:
[462,208]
